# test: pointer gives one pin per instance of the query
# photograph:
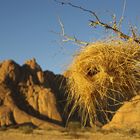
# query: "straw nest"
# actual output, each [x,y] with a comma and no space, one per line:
[102,76]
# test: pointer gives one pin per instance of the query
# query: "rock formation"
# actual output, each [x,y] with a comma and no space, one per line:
[28,95]
[127,117]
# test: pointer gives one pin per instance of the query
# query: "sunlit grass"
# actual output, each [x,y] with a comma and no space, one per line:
[101,77]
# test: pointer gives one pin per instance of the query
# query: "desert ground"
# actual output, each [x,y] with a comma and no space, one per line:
[28,133]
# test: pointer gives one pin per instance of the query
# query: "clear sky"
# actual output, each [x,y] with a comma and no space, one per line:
[26,25]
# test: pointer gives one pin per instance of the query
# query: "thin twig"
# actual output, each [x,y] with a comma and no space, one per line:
[78,7]
[70,38]
[122,16]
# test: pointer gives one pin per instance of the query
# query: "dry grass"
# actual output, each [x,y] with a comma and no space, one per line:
[101,77]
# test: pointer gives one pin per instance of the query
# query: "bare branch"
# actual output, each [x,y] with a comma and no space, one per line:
[78,7]
[62,27]
[133,31]
[100,23]
[70,38]
[121,34]
[114,22]
[122,16]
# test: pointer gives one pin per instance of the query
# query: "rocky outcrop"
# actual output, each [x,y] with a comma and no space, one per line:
[127,117]
[9,71]
[5,116]
[29,95]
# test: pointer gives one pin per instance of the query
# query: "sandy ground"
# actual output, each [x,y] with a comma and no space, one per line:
[48,134]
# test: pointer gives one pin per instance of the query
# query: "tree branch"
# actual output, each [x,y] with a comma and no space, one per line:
[67,38]
[98,22]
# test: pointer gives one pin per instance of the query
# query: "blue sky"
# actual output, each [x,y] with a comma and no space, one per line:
[26,25]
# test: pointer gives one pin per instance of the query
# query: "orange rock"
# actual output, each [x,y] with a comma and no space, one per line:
[127,117]
[5,116]
[27,95]
[9,71]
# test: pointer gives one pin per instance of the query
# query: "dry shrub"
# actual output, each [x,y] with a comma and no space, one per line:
[102,76]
